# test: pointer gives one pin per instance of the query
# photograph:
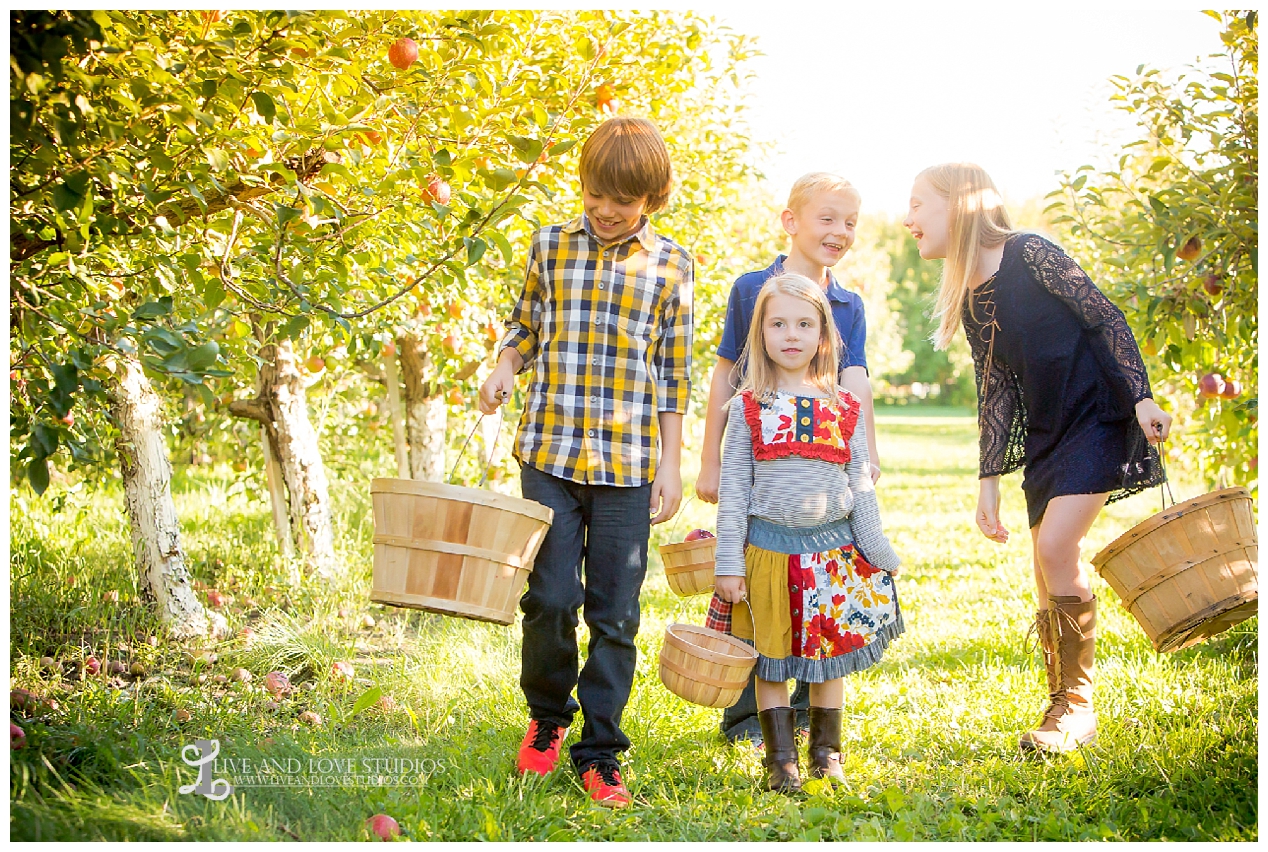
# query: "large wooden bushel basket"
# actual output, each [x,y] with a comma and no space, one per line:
[689,565]
[453,550]
[705,666]
[1189,572]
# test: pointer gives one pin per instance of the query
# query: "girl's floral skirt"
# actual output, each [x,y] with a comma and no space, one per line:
[822,610]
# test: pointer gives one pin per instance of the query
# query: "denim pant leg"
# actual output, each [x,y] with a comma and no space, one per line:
[548,671]
[739,721]
[617,529]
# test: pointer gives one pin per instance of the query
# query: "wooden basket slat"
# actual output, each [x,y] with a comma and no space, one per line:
[689,566]
[704,666]
[453,550]
[1189,572]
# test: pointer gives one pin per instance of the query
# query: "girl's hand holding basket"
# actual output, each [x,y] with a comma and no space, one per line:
[731,589]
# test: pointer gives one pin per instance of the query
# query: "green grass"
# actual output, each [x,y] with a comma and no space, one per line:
[930,733]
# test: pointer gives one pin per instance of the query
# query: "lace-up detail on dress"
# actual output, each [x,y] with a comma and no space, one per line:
[1058,377]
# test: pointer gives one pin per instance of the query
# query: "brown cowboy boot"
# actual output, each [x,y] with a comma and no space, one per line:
[825,744]
[782,774]
[1070,720]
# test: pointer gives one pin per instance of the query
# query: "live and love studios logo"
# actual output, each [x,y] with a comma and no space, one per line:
[204,755]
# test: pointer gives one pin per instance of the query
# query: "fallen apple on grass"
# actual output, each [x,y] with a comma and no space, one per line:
[277,683]
[17,739]
[383,826]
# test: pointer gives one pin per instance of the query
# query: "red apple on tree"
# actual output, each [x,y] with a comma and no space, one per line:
[1191,249]
[1232,390]
[437,190]
[403,53]
[1213,285]
[1210,386]
[697,534]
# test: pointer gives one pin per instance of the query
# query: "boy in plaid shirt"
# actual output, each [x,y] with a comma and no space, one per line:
[603,327]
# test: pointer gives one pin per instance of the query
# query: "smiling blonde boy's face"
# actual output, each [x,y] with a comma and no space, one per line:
[822,230]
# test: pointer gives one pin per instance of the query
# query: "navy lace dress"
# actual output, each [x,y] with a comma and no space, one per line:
[1058,387]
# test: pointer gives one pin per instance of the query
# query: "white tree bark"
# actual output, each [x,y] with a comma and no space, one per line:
[277,496]
[394,410]
[147,478]
[426,413]
[282,407]
[428,419]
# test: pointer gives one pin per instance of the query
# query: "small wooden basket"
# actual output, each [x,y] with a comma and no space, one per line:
[704,666]
[453,550]
[689,565]
[1189,572]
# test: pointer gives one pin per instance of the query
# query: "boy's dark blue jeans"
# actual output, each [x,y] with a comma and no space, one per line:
[599,533]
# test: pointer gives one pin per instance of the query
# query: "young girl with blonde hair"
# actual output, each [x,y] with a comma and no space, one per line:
[1062,392]
[799,532]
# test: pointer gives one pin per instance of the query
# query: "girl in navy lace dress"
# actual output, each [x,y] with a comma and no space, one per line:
[1062,392]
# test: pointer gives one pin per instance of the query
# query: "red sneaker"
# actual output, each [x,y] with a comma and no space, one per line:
[539,752]
[603,782]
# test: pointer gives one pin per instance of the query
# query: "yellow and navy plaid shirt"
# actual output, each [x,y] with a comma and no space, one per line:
[605,332]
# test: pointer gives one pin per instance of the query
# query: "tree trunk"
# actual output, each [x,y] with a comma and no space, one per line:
[147,485]
[425,411]
[394,411]
[282,407]
[277,496]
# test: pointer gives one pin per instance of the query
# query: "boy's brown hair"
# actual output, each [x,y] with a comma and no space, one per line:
[626,158]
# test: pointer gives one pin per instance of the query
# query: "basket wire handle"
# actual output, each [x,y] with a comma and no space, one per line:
[1165,488]
[492,450]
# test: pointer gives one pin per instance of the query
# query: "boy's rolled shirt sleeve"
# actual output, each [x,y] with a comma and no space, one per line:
[672,357]
[525,319]
[734,329]
[855,354]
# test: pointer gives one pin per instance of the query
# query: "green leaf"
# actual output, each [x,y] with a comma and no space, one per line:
[504,245]
[562,147]
[528,149]
[475,249]
[294,327]
[37,472]
[1157,205]
[65,198]
[367,700]
[217,158]
[500,179]
[43,441]
[201,357]
[285,214]
[153,310]
[264,105]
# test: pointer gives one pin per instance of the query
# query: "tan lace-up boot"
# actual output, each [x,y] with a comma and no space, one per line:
[1069,641]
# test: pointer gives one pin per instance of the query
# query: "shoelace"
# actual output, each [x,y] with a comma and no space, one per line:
[609,772]
[545,736]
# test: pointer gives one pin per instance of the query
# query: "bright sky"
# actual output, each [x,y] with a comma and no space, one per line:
[878,93]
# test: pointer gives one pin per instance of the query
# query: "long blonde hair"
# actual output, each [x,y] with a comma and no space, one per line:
[759,370]
[978,220]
